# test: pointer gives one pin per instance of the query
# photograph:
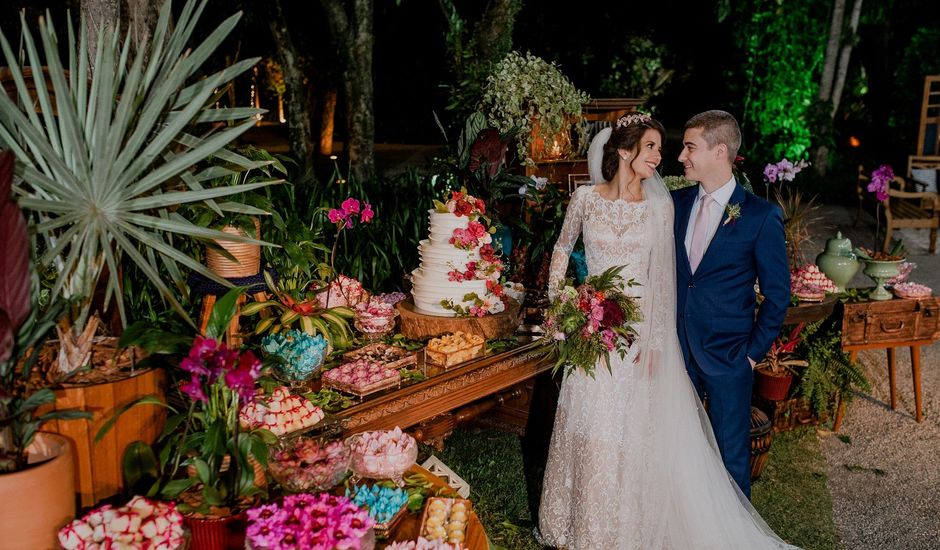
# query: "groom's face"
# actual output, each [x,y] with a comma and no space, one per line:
[699,161]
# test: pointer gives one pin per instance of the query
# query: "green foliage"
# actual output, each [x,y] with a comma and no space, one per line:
[526,88]
[102,177]
[791,495]
[640,70]
[830,371]
[783,47]
[473,53]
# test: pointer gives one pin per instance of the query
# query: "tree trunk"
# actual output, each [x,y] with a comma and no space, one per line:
[493,32]
[845,56]
[353,35]
[326,125]
[141,21]
[296,96]
[832,50]
[101,18]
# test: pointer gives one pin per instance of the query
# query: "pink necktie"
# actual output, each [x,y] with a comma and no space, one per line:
[700,232]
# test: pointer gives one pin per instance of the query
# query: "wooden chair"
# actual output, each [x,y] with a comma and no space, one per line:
[927,155]
[903,208]
[909,209]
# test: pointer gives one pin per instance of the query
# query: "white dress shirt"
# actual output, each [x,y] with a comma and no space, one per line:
[722,196]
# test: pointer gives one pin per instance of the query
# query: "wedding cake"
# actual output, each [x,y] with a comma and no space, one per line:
[459,270]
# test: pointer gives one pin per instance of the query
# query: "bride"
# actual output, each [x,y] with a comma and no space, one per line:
[633,461]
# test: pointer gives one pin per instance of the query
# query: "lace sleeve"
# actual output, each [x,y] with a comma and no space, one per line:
[570,231]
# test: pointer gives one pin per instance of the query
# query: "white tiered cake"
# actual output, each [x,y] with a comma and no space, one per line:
[457,260]
[438,258]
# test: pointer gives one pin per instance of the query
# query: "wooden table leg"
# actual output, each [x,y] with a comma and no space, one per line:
[892,368]
[915,371]
[208,301]
[840,414]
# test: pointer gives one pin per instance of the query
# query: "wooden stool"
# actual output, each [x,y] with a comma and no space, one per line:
[210,291]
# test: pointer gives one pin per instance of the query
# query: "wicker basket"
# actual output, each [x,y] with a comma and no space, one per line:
[248,255]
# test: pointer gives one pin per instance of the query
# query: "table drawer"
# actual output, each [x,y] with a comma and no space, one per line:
[890,321]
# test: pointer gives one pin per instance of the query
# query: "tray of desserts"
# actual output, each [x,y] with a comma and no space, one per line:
[451,349]
[445,519]
[393,357]
[361,377]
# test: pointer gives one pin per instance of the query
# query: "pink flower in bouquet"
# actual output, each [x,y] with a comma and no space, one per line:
[609,338]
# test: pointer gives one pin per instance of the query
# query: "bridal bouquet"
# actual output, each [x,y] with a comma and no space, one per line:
[588,322]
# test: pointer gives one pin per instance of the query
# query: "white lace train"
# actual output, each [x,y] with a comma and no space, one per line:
[633,462]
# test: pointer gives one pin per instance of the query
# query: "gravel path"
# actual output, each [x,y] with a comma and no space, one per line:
[883,466]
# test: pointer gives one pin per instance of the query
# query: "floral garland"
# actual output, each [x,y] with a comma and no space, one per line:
[462,204]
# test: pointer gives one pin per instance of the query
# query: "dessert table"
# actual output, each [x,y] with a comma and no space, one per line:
[409,526]
[431,408]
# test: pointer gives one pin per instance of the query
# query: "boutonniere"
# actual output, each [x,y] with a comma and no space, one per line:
[734,213]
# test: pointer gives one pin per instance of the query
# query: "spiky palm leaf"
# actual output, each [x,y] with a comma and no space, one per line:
[109,153]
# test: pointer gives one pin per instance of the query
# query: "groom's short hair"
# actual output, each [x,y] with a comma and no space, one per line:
[718,127]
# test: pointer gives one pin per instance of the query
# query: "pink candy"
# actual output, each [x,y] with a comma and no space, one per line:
[281,413]
[141,524]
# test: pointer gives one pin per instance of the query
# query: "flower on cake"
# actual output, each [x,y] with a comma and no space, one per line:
[462,204]
[473,236]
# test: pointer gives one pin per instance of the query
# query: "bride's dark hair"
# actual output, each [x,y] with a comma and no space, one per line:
[626,134]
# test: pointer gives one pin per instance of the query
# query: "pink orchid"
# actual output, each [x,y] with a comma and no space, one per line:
[350,206]
[335,215]
[367,214]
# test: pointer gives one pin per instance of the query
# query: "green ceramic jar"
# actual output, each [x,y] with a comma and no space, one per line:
[838,261]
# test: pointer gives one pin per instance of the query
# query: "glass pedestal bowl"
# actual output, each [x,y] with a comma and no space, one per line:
[374,327]
[304,464]
[380,465]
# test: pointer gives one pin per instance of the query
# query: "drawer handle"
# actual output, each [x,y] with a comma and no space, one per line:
[898,328]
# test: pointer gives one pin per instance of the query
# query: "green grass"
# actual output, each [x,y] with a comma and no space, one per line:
[791,495]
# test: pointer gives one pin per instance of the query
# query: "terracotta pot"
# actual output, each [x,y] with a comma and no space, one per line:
[247,255]
[39,500]
[225,533]
[772,387]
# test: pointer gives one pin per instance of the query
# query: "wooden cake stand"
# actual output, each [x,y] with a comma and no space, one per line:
[420,326]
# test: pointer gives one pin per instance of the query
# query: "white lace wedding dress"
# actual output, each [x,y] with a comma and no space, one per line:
[633,462]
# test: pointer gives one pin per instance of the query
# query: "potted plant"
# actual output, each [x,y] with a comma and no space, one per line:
[530,95]
[102,179]
[830,373]
[36,469]
[774,375]
[241,215]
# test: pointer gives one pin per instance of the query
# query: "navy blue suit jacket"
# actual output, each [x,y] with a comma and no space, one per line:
[716,318]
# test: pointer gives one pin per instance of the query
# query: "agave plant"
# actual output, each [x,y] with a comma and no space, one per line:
[111,152]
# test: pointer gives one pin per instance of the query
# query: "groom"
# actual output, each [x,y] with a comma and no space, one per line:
[726,240]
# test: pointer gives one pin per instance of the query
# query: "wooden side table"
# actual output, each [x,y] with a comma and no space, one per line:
[889,325]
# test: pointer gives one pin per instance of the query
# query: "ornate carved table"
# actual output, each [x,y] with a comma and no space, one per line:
[432,408]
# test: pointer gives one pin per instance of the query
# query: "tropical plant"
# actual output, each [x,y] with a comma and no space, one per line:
[23,327]
[111,155]
[798,217]
[830,371]
[525,90]
[782,360]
